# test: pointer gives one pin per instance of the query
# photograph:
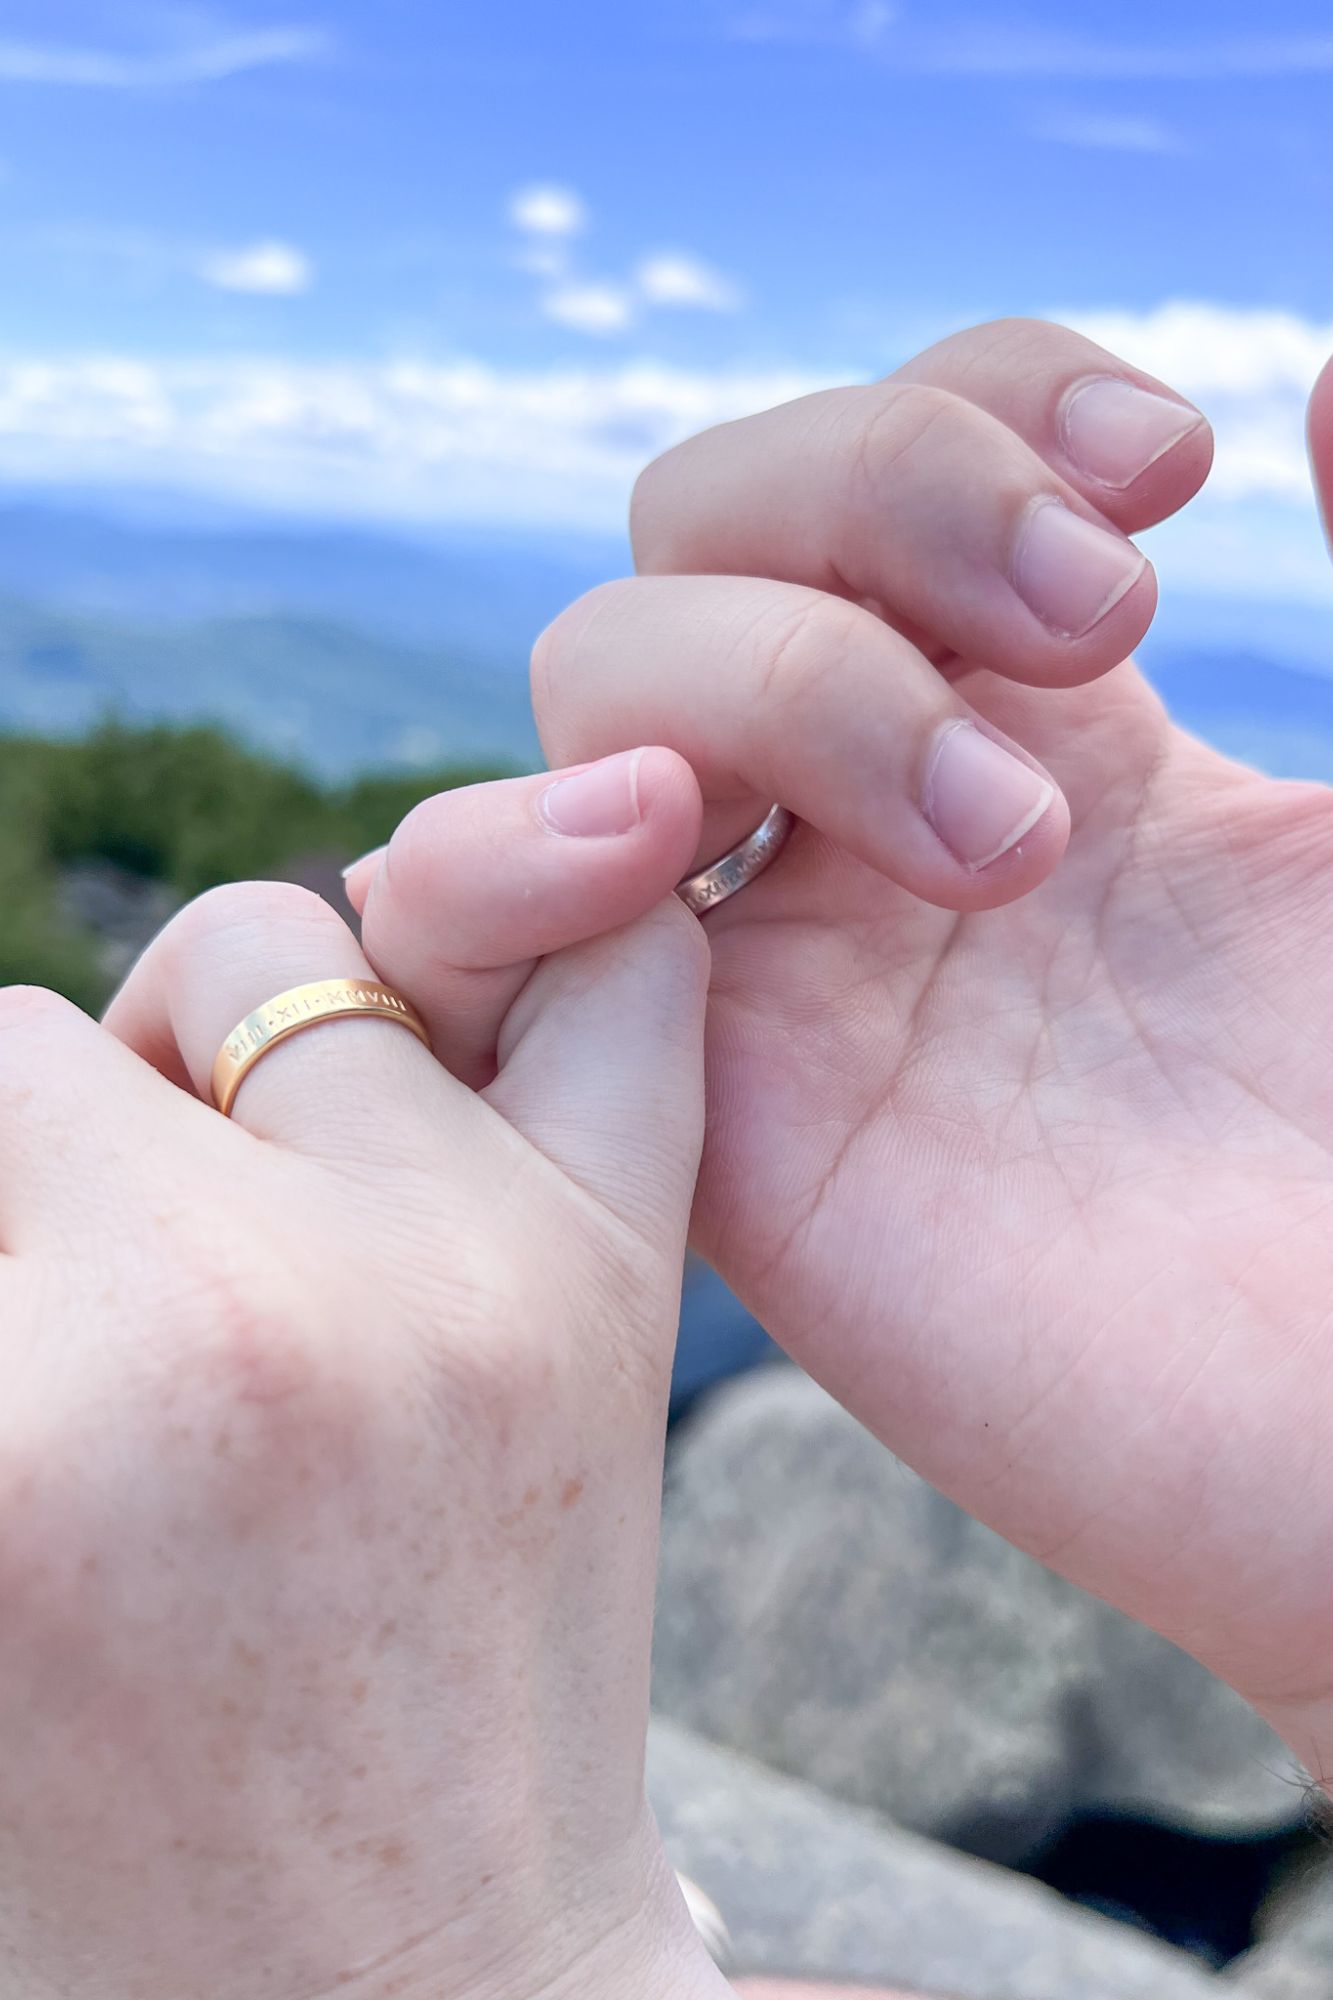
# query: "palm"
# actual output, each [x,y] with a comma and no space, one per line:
[1048,1191]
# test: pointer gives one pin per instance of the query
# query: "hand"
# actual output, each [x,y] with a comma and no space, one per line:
[330,1442]
[1029,1164]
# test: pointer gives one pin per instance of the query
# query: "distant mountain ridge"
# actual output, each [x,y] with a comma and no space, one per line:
[351,648]
[490,593]
[327,695]
[1278,718]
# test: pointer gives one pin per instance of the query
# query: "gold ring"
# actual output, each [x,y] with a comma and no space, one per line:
[303,1007]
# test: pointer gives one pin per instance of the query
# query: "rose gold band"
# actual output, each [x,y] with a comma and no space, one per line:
[731,872]
[299,1008]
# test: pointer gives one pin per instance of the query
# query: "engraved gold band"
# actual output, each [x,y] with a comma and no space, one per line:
[723,877]
[300,1008]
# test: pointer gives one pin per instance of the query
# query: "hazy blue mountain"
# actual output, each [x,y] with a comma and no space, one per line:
[488,593]
[1276,717]
[328,694]
[351,648]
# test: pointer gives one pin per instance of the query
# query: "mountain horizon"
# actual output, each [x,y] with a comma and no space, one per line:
[346,647]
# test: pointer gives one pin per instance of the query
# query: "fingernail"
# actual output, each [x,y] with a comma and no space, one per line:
[376,854]
[1114,431]
[602,799]
[1071,572]
[980,800]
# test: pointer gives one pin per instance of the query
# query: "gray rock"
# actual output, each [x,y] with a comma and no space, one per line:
[825,1611]
[1169,1741]
[811,1889]
[1293,1959]
[122,909]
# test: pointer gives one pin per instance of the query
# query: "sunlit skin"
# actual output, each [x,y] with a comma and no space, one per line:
[1032,1166]
[330,1444]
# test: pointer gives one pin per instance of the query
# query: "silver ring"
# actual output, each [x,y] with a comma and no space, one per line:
[723,877]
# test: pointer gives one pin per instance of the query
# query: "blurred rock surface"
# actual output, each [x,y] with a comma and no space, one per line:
[1293,1957]
[826,1612]
[809,1888]
[122,909]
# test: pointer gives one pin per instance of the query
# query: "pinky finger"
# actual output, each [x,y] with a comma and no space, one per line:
[478,884]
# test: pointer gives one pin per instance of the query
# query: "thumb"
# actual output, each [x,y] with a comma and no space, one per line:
[601,1067]
[478,884]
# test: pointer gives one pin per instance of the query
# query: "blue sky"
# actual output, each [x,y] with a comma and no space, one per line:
[427,262]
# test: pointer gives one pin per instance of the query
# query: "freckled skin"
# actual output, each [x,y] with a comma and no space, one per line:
[320,1668]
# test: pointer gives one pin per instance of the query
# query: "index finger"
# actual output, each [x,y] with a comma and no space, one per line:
[771,692]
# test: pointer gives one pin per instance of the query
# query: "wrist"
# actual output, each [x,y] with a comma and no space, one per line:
[661,1955]
[650,1949]
[682,1970]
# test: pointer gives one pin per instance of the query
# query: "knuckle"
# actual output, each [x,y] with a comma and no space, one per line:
[890,435]
[26,1011]
[1019,331]
[247,907]
[249,1367]
[1014,342]
[799,644]
[648,516]
[37,1028]
[1038,352]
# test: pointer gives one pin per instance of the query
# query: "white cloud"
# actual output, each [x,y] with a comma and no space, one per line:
[422,441]
[600,309]
[1246,353]
[673,279]
[408,440]
[276,270]
[548,211]
[1253,531]
[550,216]
[209,60]
[1108,133]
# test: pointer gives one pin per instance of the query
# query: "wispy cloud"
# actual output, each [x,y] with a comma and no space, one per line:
[418,440]
[997,51]
[548,210]
[1218,353]
[673,279]
[1106,132]
[973,44]
[543,260]
[595,308]
[210,59]
[149,258]
[273,269]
